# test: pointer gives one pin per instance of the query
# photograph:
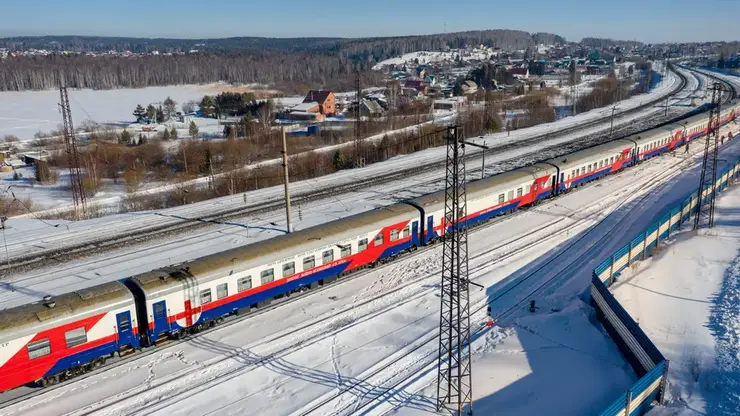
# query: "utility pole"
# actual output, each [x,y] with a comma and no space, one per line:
[359,160]
[483,162]
[709,164]
[611,129]
[454,377]
[286,181]
[75,175]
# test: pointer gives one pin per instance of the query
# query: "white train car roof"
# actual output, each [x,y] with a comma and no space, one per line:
[40,316]
[282,248]
[484,187]
[592,153]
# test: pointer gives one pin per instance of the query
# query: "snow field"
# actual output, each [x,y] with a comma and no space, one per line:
[677,298]
[366,345]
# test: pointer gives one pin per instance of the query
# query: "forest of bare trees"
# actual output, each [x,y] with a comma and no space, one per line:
[293,64]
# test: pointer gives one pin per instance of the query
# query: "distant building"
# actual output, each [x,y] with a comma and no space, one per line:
[521,73]
[325,100]
[417,85]
[370,108]
[468,87]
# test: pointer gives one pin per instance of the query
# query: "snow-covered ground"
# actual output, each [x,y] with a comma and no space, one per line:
[368,345]
[29,236]
[685,298]
[425,57]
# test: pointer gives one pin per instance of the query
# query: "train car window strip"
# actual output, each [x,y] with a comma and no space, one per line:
[327,257]
[309,262]
[379,240]
[288,269]
[40,348]
[75,337]
[245,283]
[406,231]
[267,276]
[205,296]
[347,250]
[222,291]
[362,245]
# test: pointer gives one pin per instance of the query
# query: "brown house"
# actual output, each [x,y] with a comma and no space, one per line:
[325,99]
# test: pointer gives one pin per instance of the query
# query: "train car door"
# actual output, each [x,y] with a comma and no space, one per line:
[415,233]
[430,226]
[161,323]
[123,320]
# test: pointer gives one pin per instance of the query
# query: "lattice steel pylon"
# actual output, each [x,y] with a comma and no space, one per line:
[708,179]
[454,378]
[359,157]
[75,176]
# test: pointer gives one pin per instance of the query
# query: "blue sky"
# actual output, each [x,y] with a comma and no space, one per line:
[649,21]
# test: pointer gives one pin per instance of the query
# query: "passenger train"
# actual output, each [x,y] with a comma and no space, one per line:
[54,339]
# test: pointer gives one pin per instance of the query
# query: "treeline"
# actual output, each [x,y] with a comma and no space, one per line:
[297,71]
[379,47]
[603,43]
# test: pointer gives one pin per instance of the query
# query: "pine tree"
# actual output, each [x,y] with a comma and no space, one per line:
[143,140]
[339,161]
[125,137]
[151,112]
[193,130]
[160,115]
[42,171]
[206,106]
[170,108]
[139,112]
[173,133]
[166,134]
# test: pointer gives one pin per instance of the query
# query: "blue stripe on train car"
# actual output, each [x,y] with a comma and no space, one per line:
[248,301]
[587,178]
[82,357]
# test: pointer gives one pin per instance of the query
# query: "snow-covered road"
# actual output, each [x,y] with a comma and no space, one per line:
[342,349]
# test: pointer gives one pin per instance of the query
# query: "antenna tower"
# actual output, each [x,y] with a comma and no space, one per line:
[75,176]
[709,164]
[454,379]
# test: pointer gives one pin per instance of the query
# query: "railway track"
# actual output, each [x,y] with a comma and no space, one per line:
[112,241]
[546,232]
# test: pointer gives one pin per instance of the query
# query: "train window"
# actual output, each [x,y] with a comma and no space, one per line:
[75,337]
[267,276]
[601,164]
[611,160]
[309,262]
[205,296]
[347,250]
[534,187]
[529,189]
[159,312]
[501,198]
[379,240]
[39,348]
[589,168]
[362,245]
[510,196]
[288,269]
[327,257]
[573,174]
[519,192]
[245,283]
[394,235]
[406,231]
[222,291]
